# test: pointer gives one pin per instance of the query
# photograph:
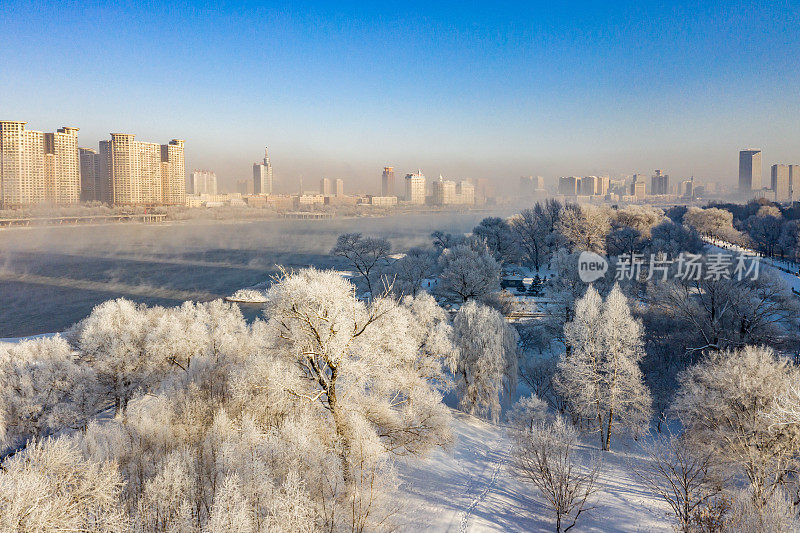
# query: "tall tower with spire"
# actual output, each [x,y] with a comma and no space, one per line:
[262,175]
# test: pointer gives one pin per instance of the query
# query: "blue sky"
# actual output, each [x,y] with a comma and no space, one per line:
[339,89]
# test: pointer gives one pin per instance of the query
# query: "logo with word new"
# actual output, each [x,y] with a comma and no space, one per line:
[591,266]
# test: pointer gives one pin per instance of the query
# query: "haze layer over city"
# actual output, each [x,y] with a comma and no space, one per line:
[342,267]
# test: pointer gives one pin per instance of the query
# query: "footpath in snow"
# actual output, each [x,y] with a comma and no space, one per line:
[472,487]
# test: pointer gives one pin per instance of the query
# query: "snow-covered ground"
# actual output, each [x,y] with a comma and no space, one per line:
[472,487]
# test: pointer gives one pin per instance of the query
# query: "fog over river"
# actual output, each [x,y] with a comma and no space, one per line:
[51,277]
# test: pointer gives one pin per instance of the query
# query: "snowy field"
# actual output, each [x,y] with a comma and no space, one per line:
[472,487]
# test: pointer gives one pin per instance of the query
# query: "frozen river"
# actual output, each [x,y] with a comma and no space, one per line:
[52,277]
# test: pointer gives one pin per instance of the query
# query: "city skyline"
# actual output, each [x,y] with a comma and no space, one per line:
[575,89]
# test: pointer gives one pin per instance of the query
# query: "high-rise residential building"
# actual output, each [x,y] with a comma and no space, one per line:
[91,185]
[794,180]
[780,183]
[38,167]
[325,186]
[415,188]
[686,188]
[448,192]
[569,185]
[749,170]
[590,185]
[443,192]
[465,193]
[339,187]
[63,170]
[174,172]
[603,185]
[148,160]
[142,173]
[659,183]
[639,187]
[262,176]
[484,191]
[387,182]
[203,182]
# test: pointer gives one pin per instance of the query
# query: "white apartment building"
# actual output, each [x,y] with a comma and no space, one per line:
[415,188]
[37,167]
[203,182]
[142,173]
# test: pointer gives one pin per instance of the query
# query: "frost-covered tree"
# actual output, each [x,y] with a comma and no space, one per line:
[671,239]
[764,229]
[640,218]
[533,233]
[688,480]
[485,364]
[496,233]
[584,227]
[366,254]
[526,413]
[600,375]
[113,341]
[544,455]
[51,487]
[624,241]
[725,403]
[749,515]
[720,314]
[43,389]
[468,274]
[408,272]
[360,362]
[712,222]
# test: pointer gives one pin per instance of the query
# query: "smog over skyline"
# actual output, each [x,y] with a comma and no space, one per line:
[483,91]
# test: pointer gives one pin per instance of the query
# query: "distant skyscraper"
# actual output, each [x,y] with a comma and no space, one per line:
[91,186]
[325,186]
[339,187]
[604,182]
[659,183]
[444,192]
[780,183]
[569,185]
[794,180]
[415,188]
[262,176]
[749,170]
[639,187]
[204,182]
[387,182]
[686,188]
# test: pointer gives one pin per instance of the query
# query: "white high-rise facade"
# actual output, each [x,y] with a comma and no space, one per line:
[415,188]
[38,167]
[142,173]
[203,182]
[780,183]
[262,176]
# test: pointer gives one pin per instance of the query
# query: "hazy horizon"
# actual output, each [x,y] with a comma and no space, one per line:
[474,91]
